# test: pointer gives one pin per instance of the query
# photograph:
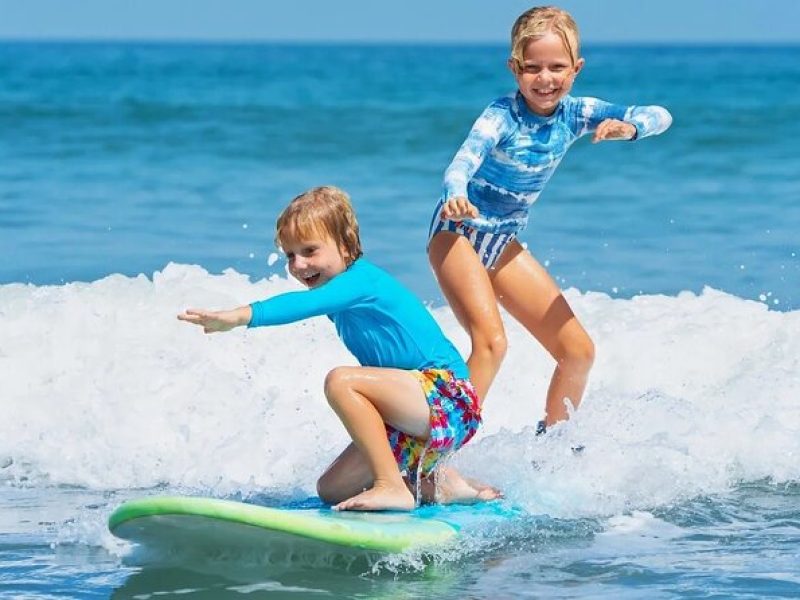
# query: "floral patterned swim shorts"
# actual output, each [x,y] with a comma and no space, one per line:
[455,418]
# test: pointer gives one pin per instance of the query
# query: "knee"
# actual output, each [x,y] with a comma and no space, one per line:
[579,353]
[498,345]
[493,343]
[336,382]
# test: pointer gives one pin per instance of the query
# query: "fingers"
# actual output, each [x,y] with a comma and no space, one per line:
[459,208]
[463,207]
[193,315]
[188,315]
[613,129]
[604,131]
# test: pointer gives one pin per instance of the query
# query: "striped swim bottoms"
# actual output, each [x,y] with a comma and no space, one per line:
[488,246]
[455,418]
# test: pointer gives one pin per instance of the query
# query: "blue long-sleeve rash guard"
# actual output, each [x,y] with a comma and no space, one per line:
[381,322]
[511,152]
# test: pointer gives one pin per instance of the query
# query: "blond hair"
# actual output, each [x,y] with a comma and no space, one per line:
[324,210]
[540,20]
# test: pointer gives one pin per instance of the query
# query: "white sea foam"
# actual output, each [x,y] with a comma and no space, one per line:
[104,388]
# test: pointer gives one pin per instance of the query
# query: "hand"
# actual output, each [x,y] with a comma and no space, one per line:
[612,129]
[459,208]
[217,321]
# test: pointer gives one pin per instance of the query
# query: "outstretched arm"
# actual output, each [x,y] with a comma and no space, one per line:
[342,291]
[619,122]
[217,321]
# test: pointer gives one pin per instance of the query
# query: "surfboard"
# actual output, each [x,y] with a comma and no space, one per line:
[195,522]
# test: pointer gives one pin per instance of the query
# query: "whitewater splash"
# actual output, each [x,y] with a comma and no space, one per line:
[103,388]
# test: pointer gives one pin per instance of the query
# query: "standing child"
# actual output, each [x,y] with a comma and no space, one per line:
[410,402]
[512,150]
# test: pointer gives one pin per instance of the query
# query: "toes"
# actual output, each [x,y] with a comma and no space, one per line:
[351,504]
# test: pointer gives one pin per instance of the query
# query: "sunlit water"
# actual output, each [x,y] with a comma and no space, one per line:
[117,160]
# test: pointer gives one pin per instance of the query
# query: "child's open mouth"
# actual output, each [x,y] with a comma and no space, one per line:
[310,280]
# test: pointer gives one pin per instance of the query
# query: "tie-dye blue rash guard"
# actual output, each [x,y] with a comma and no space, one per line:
[511,152]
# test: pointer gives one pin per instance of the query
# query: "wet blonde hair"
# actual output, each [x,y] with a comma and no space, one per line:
[324,211]
[540,20]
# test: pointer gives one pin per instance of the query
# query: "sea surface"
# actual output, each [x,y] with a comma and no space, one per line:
[139,179]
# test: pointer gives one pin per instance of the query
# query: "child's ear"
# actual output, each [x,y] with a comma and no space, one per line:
[579,65]
[513,66]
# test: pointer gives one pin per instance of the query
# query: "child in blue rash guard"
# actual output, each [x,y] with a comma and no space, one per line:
[410,403]
[509,155]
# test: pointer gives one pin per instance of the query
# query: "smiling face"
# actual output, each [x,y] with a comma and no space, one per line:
[546,73]
[318,232]
[315,259]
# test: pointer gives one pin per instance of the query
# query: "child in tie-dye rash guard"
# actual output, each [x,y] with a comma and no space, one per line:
[501,168]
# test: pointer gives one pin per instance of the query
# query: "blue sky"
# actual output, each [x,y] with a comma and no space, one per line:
[764,21]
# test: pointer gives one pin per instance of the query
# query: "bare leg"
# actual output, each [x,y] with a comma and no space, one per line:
[468,289]
[448,486]
[365,398]
[348,475]
[531,296]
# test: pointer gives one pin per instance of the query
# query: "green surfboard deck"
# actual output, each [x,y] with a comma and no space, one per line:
[174,521]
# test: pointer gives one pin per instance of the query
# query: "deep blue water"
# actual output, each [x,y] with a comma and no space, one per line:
[119,158]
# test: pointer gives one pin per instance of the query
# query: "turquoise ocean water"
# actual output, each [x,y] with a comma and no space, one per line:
[139,179]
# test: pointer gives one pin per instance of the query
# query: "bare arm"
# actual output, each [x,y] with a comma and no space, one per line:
[217,321]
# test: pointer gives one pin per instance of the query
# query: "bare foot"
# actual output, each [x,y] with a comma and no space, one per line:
[453,488]
[380,497]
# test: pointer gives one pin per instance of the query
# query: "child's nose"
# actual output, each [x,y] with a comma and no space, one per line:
[300,262]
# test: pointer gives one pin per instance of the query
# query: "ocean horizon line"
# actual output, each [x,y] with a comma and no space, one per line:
[356,43]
